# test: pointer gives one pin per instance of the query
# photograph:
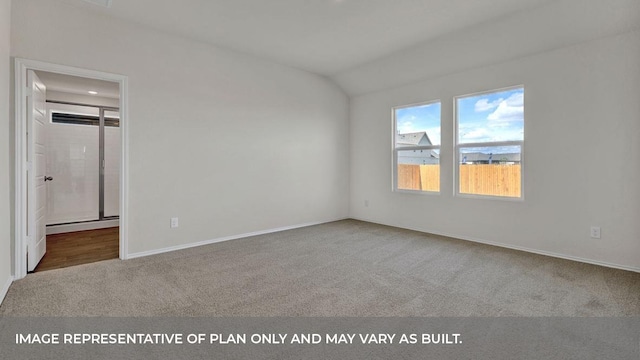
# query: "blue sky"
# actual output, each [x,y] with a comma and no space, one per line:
[497,116]
[491,117]
[420,118]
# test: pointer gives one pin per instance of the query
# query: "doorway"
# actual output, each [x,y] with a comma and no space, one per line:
[82,156]
[81,205]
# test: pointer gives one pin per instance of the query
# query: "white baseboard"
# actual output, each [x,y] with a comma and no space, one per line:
[513,247]
[5,289]
[90,225]
[226,238]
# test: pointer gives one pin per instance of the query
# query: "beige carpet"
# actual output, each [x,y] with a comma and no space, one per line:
[344,268]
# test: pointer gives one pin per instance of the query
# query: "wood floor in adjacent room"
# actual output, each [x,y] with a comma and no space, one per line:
[81,247]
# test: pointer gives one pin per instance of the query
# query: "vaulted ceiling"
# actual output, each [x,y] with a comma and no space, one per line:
[369,45]
[320,36]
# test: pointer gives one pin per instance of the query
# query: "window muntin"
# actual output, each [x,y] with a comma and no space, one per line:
[489,143]
[416,147]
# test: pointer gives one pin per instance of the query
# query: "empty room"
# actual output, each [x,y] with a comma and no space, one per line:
[329,159]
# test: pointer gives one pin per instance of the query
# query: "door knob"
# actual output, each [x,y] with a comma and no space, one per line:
[48,178]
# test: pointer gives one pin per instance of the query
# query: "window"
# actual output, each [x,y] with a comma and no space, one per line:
[489,143]
[416,147]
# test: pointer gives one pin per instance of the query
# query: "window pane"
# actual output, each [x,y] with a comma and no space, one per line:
[494,170]
[491,117]
[419,170]
[418,125]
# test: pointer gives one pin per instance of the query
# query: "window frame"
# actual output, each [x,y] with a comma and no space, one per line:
[395,149]
[457,147]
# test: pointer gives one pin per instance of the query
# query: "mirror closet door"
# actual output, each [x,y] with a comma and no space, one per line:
[83,159]
[111,169]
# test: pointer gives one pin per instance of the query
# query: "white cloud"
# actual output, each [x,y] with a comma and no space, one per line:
[516,99]
[434,135]
[508,135]
[498,125]
[484,104]
[509,110]
[406,127]
[477,134]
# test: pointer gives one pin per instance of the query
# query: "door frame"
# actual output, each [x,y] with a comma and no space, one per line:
[21,164]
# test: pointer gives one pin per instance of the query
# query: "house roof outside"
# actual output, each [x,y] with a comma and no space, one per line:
[418,157]
[484,158]
[413,139]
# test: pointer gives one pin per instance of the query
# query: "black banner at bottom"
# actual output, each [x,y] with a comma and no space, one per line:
[319,338]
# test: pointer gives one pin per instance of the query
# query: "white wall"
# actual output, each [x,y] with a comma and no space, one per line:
[5,198]
[192,106]
[581,160]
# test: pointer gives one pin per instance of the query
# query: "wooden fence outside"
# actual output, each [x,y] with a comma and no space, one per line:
[480,179]
[419,177]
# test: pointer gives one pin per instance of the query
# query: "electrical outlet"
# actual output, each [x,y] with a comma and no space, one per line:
[366,203]
[174,222]
[595,232]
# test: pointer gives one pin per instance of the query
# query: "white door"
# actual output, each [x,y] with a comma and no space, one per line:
[36,177]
